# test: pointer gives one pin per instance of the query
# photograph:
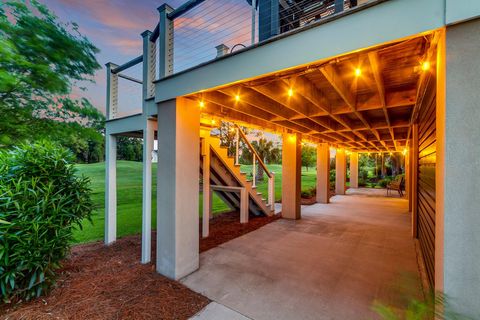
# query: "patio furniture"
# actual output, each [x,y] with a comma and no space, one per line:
[396,185]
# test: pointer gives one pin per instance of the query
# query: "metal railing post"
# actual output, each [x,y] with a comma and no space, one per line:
[254,13]
[112,91]
[271,190]
[165,41]
[237,142]
[149,66]
[254,171]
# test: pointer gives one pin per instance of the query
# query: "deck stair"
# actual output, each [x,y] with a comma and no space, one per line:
[225,172]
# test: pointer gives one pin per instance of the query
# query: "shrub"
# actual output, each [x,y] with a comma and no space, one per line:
[311,192]
[41,201]
[384,182]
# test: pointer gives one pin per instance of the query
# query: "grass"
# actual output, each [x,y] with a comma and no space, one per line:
[129,197]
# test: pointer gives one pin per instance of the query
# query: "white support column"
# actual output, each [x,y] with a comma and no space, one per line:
[112,92]
[340,172]
[354,170]
[291,175]
[165,54]
[177,191]
[110,188]
[207,194]
[457,223]
[148,137]
[149,66]
[323,173]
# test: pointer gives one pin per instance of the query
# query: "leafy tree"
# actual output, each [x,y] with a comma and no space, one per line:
[266,150]
[129,149]
[309,156]
[40,60]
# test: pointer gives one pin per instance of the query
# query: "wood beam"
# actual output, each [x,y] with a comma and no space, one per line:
[332,76]
[377,75]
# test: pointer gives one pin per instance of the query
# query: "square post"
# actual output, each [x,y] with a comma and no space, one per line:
[291,175]
[340,172]
[111,107]
[148,137]
[110,188]
[177,191]
[149,66]
[323,173]
[354,170]
[207,193]
[243,205]
[165,40]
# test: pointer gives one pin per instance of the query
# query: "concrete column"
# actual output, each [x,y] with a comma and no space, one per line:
[457,227]
[110,188]
[148,137]
[112,92]
[323,173]
[165,38]
[177,191]
[207,194]
[354,170]
[291,175]
[340,171]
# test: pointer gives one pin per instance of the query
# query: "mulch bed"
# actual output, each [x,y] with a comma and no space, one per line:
[227,226]
[99,282]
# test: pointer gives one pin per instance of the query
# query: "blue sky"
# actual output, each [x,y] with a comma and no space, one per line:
[114,26]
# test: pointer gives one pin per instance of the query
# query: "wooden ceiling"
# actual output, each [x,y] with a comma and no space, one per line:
[329,102]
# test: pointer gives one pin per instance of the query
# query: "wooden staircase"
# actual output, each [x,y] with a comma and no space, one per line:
[224,172]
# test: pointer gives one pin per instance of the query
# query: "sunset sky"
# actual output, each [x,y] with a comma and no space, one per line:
[114,26]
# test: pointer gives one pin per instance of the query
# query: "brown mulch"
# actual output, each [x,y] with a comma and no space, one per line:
[99,282]
[227,226]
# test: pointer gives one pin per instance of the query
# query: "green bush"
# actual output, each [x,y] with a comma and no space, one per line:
[384,182]
[41,201]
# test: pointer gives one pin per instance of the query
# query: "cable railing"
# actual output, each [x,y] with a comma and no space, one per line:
[201,31]
[256,161]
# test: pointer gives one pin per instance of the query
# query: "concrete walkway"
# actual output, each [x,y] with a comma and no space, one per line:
[332,264]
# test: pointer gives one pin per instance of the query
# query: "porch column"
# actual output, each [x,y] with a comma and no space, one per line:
[354,170]
[110,188]
[148,137]
[457,227]
[323,172]
[291,175]
[177,187]
[207,194]
[340,171]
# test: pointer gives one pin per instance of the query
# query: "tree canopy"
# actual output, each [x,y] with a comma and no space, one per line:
[41,59]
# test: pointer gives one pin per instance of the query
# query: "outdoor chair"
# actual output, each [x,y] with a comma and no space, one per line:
[396,185]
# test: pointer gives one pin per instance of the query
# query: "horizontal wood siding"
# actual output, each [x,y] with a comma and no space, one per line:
[426,179]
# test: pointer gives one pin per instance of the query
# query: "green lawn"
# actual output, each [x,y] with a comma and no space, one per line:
[129,197]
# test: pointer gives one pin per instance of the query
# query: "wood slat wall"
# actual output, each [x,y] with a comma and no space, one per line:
[426,179]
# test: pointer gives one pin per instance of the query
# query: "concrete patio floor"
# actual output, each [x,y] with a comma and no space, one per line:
[331,264]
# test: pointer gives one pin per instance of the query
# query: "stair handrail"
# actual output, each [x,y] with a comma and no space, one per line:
[252,149]
[256,156]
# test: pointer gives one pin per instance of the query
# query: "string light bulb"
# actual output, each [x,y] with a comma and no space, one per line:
[201,104]
[425,65]
[404,151]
